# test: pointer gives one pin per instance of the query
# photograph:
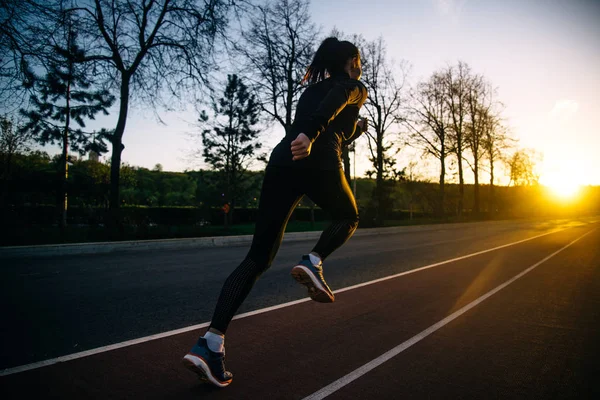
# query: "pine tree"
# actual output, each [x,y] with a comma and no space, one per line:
[230,143]
[63,100]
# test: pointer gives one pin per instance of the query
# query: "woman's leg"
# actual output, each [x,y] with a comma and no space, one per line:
[279,196]
[330,191]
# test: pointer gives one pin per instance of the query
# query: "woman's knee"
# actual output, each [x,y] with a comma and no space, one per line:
[261,259]
[350,222]
[353,222]
[347,214]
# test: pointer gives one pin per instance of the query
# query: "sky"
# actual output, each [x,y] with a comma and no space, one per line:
[543,56]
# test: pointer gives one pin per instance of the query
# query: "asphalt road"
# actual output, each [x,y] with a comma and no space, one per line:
[535,337]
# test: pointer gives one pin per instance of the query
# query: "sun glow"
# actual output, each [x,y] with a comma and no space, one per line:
[564,173]
[565,190]
[565,183]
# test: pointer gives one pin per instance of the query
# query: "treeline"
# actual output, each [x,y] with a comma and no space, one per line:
[29,194]
[32,182]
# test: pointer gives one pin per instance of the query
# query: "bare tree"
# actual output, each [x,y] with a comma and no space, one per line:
[277,47]
[386,83]
[480,102]
[522,167]
[479,122]
[22,24]
[458,80]
[148,50]
[495,144]
[429,125]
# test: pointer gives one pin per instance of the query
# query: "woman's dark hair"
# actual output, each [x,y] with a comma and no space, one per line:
[330,58]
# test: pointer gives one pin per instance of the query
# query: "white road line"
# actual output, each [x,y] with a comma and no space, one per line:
[444,262]
[357,373]
[91,352]
[74,356]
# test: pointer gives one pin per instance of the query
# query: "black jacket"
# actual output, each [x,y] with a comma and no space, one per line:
[327,113]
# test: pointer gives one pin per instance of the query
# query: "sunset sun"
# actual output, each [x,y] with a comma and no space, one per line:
[564,189]
[564,183]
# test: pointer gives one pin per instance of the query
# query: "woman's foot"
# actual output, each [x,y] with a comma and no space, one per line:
[209,365]
[311,275]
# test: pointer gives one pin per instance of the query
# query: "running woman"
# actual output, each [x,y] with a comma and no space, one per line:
[306,162]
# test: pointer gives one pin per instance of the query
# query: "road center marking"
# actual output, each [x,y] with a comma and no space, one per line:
[98,350]
[357,373]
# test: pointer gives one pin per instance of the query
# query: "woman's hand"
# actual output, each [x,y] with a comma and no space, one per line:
[301,147]
[363,124]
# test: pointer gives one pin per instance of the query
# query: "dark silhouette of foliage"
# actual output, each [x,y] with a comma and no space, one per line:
[63,99]
[26,31]
[230,143]
[149,51]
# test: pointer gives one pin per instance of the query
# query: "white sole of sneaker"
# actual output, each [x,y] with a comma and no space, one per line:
[198,366]
[316,291]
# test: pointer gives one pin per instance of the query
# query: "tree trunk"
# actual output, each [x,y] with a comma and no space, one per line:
[63,175]
[442,198]
[115,161]
[461,179]
[492,194]
[289,110]
[379,191]
[476,189]
[64,168]
[379,184]
[380,198]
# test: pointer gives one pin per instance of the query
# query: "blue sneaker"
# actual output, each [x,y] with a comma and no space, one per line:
[209,365]
[311,276]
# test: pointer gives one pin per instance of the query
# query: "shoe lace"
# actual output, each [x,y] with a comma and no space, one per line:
[223,369]
[319,269]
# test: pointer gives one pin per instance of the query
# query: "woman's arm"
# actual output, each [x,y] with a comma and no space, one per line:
[346,92]
[359,127]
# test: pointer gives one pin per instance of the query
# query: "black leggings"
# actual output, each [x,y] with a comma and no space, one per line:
[282,189]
